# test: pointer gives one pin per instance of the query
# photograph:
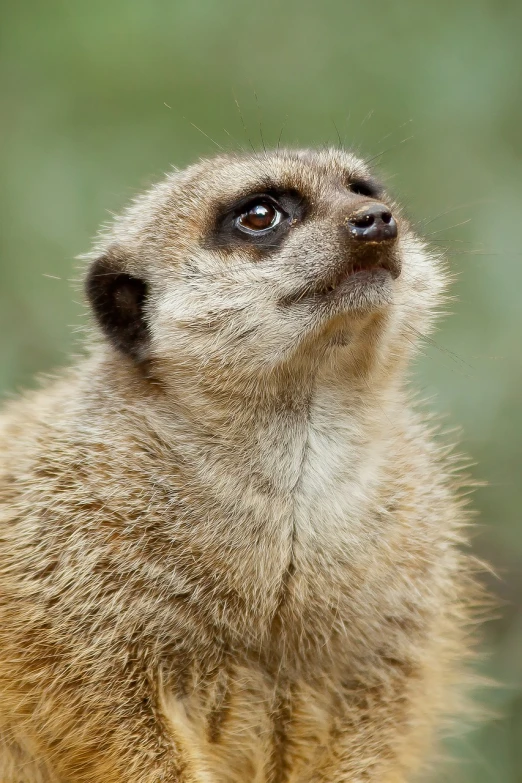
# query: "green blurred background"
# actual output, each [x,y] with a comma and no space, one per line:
[99,98]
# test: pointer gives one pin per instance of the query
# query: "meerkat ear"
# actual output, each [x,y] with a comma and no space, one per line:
[118,301]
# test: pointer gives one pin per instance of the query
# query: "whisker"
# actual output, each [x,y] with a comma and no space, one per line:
[448,228]
[260,124]
[451,210]
[234,140]
[281,132]
[205,134]
[458,360]
[243,122]
[394,131]
[368,117]
[388,149]
[341,144]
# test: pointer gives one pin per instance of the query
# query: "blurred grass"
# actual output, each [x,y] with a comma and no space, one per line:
[98,99]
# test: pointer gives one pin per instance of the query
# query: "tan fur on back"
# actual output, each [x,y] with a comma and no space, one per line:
[238,557]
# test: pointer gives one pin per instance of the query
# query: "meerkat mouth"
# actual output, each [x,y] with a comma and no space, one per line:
[361,266]
[365,271]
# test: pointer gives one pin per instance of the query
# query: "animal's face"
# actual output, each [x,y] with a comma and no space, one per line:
[246,261]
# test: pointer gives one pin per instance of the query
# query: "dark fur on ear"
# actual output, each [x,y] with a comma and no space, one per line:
[118,300]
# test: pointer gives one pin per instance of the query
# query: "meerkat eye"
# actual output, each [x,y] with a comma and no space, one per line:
[259,217]
[364,187]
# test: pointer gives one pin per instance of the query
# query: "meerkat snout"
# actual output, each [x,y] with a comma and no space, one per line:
[372,234]
[372,223]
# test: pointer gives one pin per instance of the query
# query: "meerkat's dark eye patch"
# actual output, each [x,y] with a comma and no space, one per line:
[365,187]
[118,300]
[260,220]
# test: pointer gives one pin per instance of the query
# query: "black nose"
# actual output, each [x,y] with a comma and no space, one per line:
[372,223]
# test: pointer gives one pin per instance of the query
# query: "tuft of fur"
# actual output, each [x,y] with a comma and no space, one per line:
[230,547]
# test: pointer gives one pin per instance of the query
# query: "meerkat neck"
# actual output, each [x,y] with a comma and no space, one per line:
[264,432]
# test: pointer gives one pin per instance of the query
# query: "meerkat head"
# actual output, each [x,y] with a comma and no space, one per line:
[251,261]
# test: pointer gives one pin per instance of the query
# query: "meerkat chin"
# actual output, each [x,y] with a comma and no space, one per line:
[230,547]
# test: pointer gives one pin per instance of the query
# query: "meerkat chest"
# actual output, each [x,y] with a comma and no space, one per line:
[321,483]
[248,724]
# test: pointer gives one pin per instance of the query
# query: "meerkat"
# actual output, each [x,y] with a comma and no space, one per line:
[231,549]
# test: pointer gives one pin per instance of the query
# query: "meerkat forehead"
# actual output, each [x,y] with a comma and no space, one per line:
[307,171]
[187,200]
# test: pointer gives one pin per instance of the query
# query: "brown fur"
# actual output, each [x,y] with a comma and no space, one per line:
[233,553]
